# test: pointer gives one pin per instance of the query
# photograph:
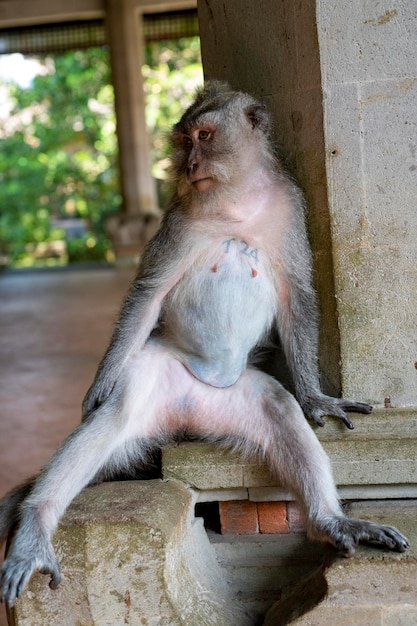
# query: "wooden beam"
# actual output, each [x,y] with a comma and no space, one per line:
[30,12]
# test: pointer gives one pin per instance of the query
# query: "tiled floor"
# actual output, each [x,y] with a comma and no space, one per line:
[54,327]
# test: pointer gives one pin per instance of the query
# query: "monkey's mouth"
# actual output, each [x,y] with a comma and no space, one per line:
[202,184]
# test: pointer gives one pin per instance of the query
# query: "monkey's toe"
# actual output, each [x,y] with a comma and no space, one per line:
[346,534]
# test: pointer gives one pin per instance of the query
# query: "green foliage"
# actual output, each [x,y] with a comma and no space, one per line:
[87,248]
[58,152]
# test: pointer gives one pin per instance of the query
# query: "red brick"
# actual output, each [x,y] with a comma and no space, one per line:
[272,517]
[296,519]
[238,517]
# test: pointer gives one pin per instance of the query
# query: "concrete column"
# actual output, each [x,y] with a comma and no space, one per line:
[269,48]
[140,211]
[341,81]
[369,67]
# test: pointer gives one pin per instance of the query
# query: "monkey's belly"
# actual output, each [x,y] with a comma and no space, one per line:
[218,314]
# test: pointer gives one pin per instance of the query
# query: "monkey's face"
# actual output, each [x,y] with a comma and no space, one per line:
[218,142]
[202,156]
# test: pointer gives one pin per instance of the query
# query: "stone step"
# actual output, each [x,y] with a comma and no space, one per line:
[283,575]
[247,550]
[258,567]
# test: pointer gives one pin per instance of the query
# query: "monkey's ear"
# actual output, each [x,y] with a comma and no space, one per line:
[258,116]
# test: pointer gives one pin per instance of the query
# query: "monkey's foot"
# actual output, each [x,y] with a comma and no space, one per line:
[317,407]
[18,569]
[346,534]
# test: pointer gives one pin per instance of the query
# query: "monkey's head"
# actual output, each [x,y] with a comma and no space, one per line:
[219,140]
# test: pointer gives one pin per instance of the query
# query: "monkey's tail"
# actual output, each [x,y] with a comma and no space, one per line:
[10,507]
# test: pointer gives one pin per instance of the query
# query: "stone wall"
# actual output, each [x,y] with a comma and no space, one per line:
[368,53]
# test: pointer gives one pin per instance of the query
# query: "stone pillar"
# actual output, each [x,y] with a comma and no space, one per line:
[341,84]
[140,212]
[368,57]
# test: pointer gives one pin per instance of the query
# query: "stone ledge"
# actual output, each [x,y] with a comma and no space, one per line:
[131,553]
[376,460]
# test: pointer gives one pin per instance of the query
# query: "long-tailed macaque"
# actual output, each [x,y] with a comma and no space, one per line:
[229,264]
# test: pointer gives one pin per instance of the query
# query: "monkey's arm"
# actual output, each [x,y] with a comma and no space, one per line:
[298,329]
[164,262]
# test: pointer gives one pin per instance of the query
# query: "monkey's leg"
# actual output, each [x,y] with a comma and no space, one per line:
[10,507]
[270,421]
[73,466]
[115,435]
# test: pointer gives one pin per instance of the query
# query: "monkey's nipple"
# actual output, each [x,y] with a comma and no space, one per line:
[254,272]
[215,268]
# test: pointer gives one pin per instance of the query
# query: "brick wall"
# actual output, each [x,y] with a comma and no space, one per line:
[244,517]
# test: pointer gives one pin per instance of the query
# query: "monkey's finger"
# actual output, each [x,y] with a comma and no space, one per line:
[21,586]
[347,422]
[55,579]
[357,407]
[319,420]
[55,573]
[340,414]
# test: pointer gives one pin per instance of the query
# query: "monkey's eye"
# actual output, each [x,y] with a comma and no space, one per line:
[204,135]
[186,140]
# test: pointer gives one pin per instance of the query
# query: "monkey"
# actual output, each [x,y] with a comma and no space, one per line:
[230,264]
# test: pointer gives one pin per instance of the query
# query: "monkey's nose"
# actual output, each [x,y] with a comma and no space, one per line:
[192,167]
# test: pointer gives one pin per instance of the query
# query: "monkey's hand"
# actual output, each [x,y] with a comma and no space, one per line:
[98,393]
[317,407]
[19,566]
